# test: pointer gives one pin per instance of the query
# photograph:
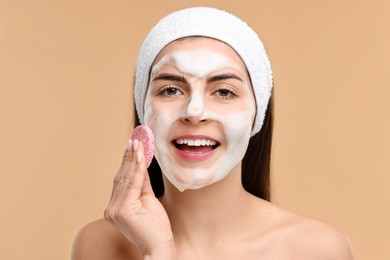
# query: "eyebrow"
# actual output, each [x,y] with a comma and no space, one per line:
[223,77]
[170,77]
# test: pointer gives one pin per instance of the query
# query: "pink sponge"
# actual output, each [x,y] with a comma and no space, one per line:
[144,134]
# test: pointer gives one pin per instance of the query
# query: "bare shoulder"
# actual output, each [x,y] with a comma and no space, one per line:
[307,238]
[318,240]
[99,240]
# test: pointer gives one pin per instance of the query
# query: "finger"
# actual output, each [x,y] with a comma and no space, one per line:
[122,180]
[136,184]
[125,158]
[126,175]
[147,186]
[130,162]
[119,175]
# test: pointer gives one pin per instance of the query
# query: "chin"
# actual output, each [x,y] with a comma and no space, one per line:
[192,181]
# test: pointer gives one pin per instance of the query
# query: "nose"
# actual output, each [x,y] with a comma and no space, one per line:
[195,110]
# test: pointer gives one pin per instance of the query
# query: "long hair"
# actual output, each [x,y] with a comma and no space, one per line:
[255,164]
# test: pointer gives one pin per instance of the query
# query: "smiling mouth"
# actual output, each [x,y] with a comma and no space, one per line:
[195,145]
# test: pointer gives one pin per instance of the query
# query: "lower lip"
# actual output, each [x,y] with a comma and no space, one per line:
[195,157]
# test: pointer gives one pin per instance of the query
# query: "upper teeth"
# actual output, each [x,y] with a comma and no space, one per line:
[196,142]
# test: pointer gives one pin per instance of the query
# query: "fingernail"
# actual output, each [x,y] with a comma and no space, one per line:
[135,145]
[129,144]
[124,150]
[139,157]
[126,147]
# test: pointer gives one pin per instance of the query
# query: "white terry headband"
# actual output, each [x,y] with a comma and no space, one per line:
[213,23]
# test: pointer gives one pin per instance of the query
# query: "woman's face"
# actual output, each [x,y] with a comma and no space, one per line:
[200,107]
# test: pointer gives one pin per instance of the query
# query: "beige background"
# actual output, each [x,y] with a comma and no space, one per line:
[65,88]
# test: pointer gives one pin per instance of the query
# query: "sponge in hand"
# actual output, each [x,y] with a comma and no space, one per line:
[144,134]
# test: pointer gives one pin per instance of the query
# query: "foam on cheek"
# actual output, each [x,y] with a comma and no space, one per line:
[240,123]
[237,129]
[161,120]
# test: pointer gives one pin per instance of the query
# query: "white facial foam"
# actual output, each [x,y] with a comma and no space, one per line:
[197,64]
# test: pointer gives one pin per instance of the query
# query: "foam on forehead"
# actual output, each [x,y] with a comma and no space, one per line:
[213,23]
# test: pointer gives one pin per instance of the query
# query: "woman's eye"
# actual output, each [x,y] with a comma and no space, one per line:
[169,91]
[225,93]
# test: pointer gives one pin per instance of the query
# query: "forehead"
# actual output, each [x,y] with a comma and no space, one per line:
[189,44]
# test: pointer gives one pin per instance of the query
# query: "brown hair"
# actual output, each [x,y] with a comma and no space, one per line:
[257,160]
[255,164]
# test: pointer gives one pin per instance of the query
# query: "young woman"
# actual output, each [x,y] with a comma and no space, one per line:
[203,85]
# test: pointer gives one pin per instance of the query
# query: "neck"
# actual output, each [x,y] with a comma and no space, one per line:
[199,216]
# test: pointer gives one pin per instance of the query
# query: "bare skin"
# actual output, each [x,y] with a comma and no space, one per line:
[219,221]
[241,227]
[270,233]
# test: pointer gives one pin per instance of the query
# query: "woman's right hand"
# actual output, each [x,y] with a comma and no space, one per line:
[135,211]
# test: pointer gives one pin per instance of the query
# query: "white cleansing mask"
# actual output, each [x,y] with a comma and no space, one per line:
[233,127]
[190,63]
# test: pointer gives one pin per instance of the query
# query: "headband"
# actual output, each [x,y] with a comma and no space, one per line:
[213,23]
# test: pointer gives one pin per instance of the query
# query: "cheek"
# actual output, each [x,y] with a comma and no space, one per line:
[238,126]
[160,119]
[236,120]
[156,119]
[153,116]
